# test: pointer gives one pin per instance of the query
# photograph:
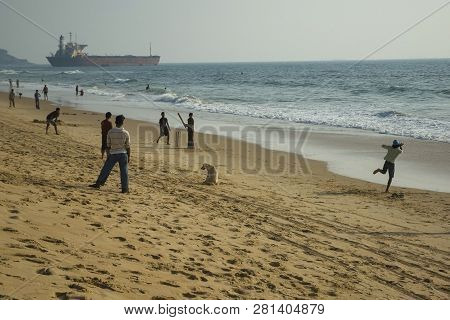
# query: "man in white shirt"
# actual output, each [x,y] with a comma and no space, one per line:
[118,150]
[393,152]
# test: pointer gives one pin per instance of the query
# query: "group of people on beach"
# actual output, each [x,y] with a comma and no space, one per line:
[164,129]
[52,117]
[37,95]
[115,143]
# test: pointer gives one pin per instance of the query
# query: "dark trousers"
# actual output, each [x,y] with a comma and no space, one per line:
[122,159]
[190,138]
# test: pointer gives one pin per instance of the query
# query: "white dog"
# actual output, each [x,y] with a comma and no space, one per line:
[213,176]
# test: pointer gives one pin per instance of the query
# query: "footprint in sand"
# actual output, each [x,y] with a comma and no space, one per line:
[141,239]
[53,240]
[170,284]
[69,296]
[162,298]
[245,273]
[96,224]
[275,264]
[45,272]
[271,286]
[32,258]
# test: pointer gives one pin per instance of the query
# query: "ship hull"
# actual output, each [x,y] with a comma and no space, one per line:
[103,61]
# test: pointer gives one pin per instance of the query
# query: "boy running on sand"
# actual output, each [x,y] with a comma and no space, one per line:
[392,153]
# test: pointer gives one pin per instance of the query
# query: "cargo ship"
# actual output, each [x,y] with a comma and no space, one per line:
[71,55]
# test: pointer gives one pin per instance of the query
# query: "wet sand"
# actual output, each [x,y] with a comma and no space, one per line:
[298,233]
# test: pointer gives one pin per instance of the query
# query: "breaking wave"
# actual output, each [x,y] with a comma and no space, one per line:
[72,72]
[388,114]
[8,71]
[175,99]
[119,80]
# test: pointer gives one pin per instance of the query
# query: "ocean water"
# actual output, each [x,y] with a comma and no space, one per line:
[349,109]
[408,98]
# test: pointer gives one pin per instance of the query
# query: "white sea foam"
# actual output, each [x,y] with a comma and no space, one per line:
[72,72]
[114,95]
[174,98]
[385,122]
[120,80]
[8,71]
[415,104]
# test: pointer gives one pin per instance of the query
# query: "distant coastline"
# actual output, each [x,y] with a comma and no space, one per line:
[8,60]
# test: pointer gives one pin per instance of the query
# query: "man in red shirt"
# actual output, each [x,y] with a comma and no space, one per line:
[106,126]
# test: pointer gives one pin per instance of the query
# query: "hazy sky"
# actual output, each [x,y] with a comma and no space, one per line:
[230,30]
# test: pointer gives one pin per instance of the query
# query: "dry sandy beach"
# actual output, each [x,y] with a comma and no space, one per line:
[256,235]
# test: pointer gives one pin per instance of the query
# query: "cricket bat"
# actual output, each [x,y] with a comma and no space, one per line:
[184,124]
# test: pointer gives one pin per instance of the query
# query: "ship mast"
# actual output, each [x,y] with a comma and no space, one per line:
[61,45]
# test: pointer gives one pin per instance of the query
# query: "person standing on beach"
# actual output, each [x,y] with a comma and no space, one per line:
[164,128]
[76,90]
[118,150]
[52,118]
[106,125]
[148,87]
[45,91]
[36,99]
[392,153]
[12,96]
[17,83]
[10,84]
[190,128]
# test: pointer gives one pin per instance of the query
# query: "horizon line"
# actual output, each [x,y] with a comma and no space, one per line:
[276,61]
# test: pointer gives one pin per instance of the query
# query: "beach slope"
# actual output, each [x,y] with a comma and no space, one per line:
[254,236]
